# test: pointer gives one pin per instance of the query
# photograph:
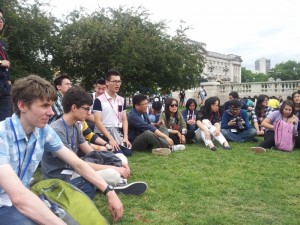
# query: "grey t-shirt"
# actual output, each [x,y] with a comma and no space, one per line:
[72,137]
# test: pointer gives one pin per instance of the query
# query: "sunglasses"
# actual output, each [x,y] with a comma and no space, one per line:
[174,105]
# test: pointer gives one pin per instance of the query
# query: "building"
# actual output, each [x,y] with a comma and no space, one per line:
[220,67]
[262,65]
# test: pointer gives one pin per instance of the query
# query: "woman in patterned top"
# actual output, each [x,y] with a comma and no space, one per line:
[208,120]
[259,113]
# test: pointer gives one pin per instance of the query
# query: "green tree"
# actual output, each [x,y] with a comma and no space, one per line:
[29,33]
[126,40]
[248,76]
[289,70]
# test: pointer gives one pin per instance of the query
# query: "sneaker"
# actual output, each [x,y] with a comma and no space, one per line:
[177,148]
[123,181]
[134,188]
[213,148]
[161,151]
[258,149]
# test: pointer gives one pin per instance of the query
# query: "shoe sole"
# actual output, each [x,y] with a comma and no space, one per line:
[135,188]
[161,151]
[258,149]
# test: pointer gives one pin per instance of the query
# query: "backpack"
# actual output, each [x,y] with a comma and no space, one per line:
[68,202]
[284,135]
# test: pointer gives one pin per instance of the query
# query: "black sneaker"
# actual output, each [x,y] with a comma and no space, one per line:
[135,188]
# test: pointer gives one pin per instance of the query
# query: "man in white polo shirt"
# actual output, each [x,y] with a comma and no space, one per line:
[110,115]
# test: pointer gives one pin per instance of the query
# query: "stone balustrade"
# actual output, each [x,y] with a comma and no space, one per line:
[270,88]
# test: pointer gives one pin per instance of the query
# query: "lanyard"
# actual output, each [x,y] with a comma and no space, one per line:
[113,109]
[19,153]
[2,52]
[72,139]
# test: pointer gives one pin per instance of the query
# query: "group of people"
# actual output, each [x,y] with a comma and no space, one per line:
[63,129]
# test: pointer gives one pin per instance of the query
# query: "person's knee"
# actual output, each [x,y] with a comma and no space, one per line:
[111,176]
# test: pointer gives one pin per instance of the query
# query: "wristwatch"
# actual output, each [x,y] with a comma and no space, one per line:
[108,189]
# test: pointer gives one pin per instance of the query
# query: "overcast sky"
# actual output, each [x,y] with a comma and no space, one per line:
[251,29]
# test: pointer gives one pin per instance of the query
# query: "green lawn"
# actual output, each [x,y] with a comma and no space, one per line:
[198,186]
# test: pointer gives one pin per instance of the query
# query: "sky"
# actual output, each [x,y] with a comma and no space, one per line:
[251,29]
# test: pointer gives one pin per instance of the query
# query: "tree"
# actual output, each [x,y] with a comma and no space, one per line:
[149,59]
[248,76]
[289,70]
[29,33]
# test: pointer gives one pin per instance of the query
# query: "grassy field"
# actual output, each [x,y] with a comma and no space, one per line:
[198,186]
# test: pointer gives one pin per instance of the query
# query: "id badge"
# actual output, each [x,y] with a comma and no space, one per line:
[119,125]
[67,172]
[233,130]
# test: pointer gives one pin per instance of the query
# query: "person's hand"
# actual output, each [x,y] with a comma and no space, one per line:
[160,122]
[170,141]
[126,166]
[123,171]
[5,63]
[128,144]
[115,205]
[260,132]
[115,146]
[232,122]
[182,139]
[216,133]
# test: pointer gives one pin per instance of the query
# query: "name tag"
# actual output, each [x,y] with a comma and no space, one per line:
[119,125]
[67,172]
[233,130]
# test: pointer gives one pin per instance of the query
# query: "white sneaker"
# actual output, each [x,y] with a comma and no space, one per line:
[161,151]
[177,148]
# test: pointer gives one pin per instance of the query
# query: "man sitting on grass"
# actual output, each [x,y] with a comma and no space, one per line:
[141,133]
[24,138]
[76,104]
[235,124]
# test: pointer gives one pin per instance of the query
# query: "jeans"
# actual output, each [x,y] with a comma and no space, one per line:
[84,186]
[241,136]
[10,215]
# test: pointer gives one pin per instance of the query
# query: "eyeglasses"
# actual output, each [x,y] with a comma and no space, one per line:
[116,81]
[2,19]
[174,105]
[87,109]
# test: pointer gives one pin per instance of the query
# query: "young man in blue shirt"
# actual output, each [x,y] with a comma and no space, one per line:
[23,139]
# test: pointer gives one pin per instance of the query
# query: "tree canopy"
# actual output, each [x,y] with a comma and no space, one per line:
[85,46]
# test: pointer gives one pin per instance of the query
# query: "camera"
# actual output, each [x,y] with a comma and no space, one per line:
[239,123]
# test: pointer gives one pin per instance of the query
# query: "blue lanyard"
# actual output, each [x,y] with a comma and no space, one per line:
[72,139]
[19,153]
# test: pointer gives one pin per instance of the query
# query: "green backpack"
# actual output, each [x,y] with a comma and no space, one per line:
[68,202]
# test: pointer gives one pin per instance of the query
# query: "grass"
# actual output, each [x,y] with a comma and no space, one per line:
[198,186]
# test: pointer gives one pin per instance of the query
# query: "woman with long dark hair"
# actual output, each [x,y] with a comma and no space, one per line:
[189,114]
[209,122]
[259,113]
[175,123]
[285,113]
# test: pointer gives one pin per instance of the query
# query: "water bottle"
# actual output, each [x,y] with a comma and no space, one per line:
[58,211]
